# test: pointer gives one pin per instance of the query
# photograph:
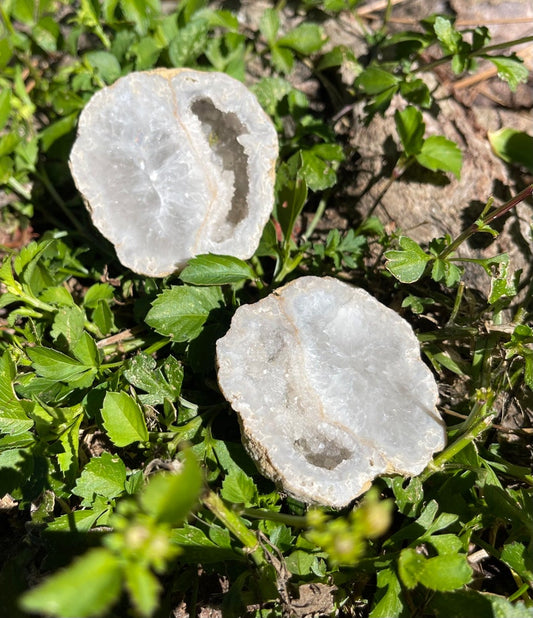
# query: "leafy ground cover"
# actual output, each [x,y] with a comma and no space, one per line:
[125,488]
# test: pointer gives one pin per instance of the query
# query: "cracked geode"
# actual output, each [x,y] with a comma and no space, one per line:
[173,163]
[330,390]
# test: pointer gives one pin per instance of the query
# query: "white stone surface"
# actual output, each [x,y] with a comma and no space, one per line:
[330,390]
[173,163]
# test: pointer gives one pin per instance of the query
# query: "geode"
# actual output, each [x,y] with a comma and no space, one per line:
[173,163]
[330,390]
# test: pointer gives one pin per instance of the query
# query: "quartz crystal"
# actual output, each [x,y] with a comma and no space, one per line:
[330,390]
[173,163]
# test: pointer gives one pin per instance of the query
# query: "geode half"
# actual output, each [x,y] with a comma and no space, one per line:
[173,163]
[330,390]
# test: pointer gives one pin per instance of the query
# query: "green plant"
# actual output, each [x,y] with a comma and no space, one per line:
[120,460]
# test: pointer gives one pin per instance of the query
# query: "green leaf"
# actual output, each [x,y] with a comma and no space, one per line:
[146,52]
[319,165]
[503,608]
[86,588]
[45,34]
[68,324]
[409,263]
[57,295]
[123,419]
[6,52]
[470,603]
[416,91]
[411,129]
[390,603]
[97,292]
[85,350]
[55,365]
[447,34]
[8,143]
[56,130]
[103,318]
[500,287]
[224,19]
[170,497]
[70,440]
[480,37]
[511,69]
[5,107]
[336,57]
[443,572]
[282,59]
[143,587]
[410,566]
[189,43]
[77,521]
[13,417]
[439,153]
[197,547]
[143,374]
[239,488]
[446,543]
[6,171]
[270,91]
[300,562]
[444,520]
[212,269]
[140,12]
[306,38]
[444,269]
[181,311]
[409,498]
[375,81]
[26,260]
[291,195]
[17,465]
[282,537]
[447,572]
[24,11]
[519,559]
[104,64]
[269,26]
[513,146]
[102,476]
[417,304]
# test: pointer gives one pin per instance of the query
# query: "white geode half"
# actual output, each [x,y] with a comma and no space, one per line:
[173,163]
[330,390]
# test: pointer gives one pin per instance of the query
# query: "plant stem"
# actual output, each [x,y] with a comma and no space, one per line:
[495,214]
[457,303]
[387,14]
[318,215]
[298,521]
[288,266]
[504,45]
[259,272]
[15,185]
[236,526]
[476,52]
[161,343]
[476,424]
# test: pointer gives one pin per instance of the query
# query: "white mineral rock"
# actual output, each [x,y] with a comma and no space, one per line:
[173,163]
[330,390]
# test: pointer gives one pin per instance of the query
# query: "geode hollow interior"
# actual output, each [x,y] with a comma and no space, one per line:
[330,390]
[173,163]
